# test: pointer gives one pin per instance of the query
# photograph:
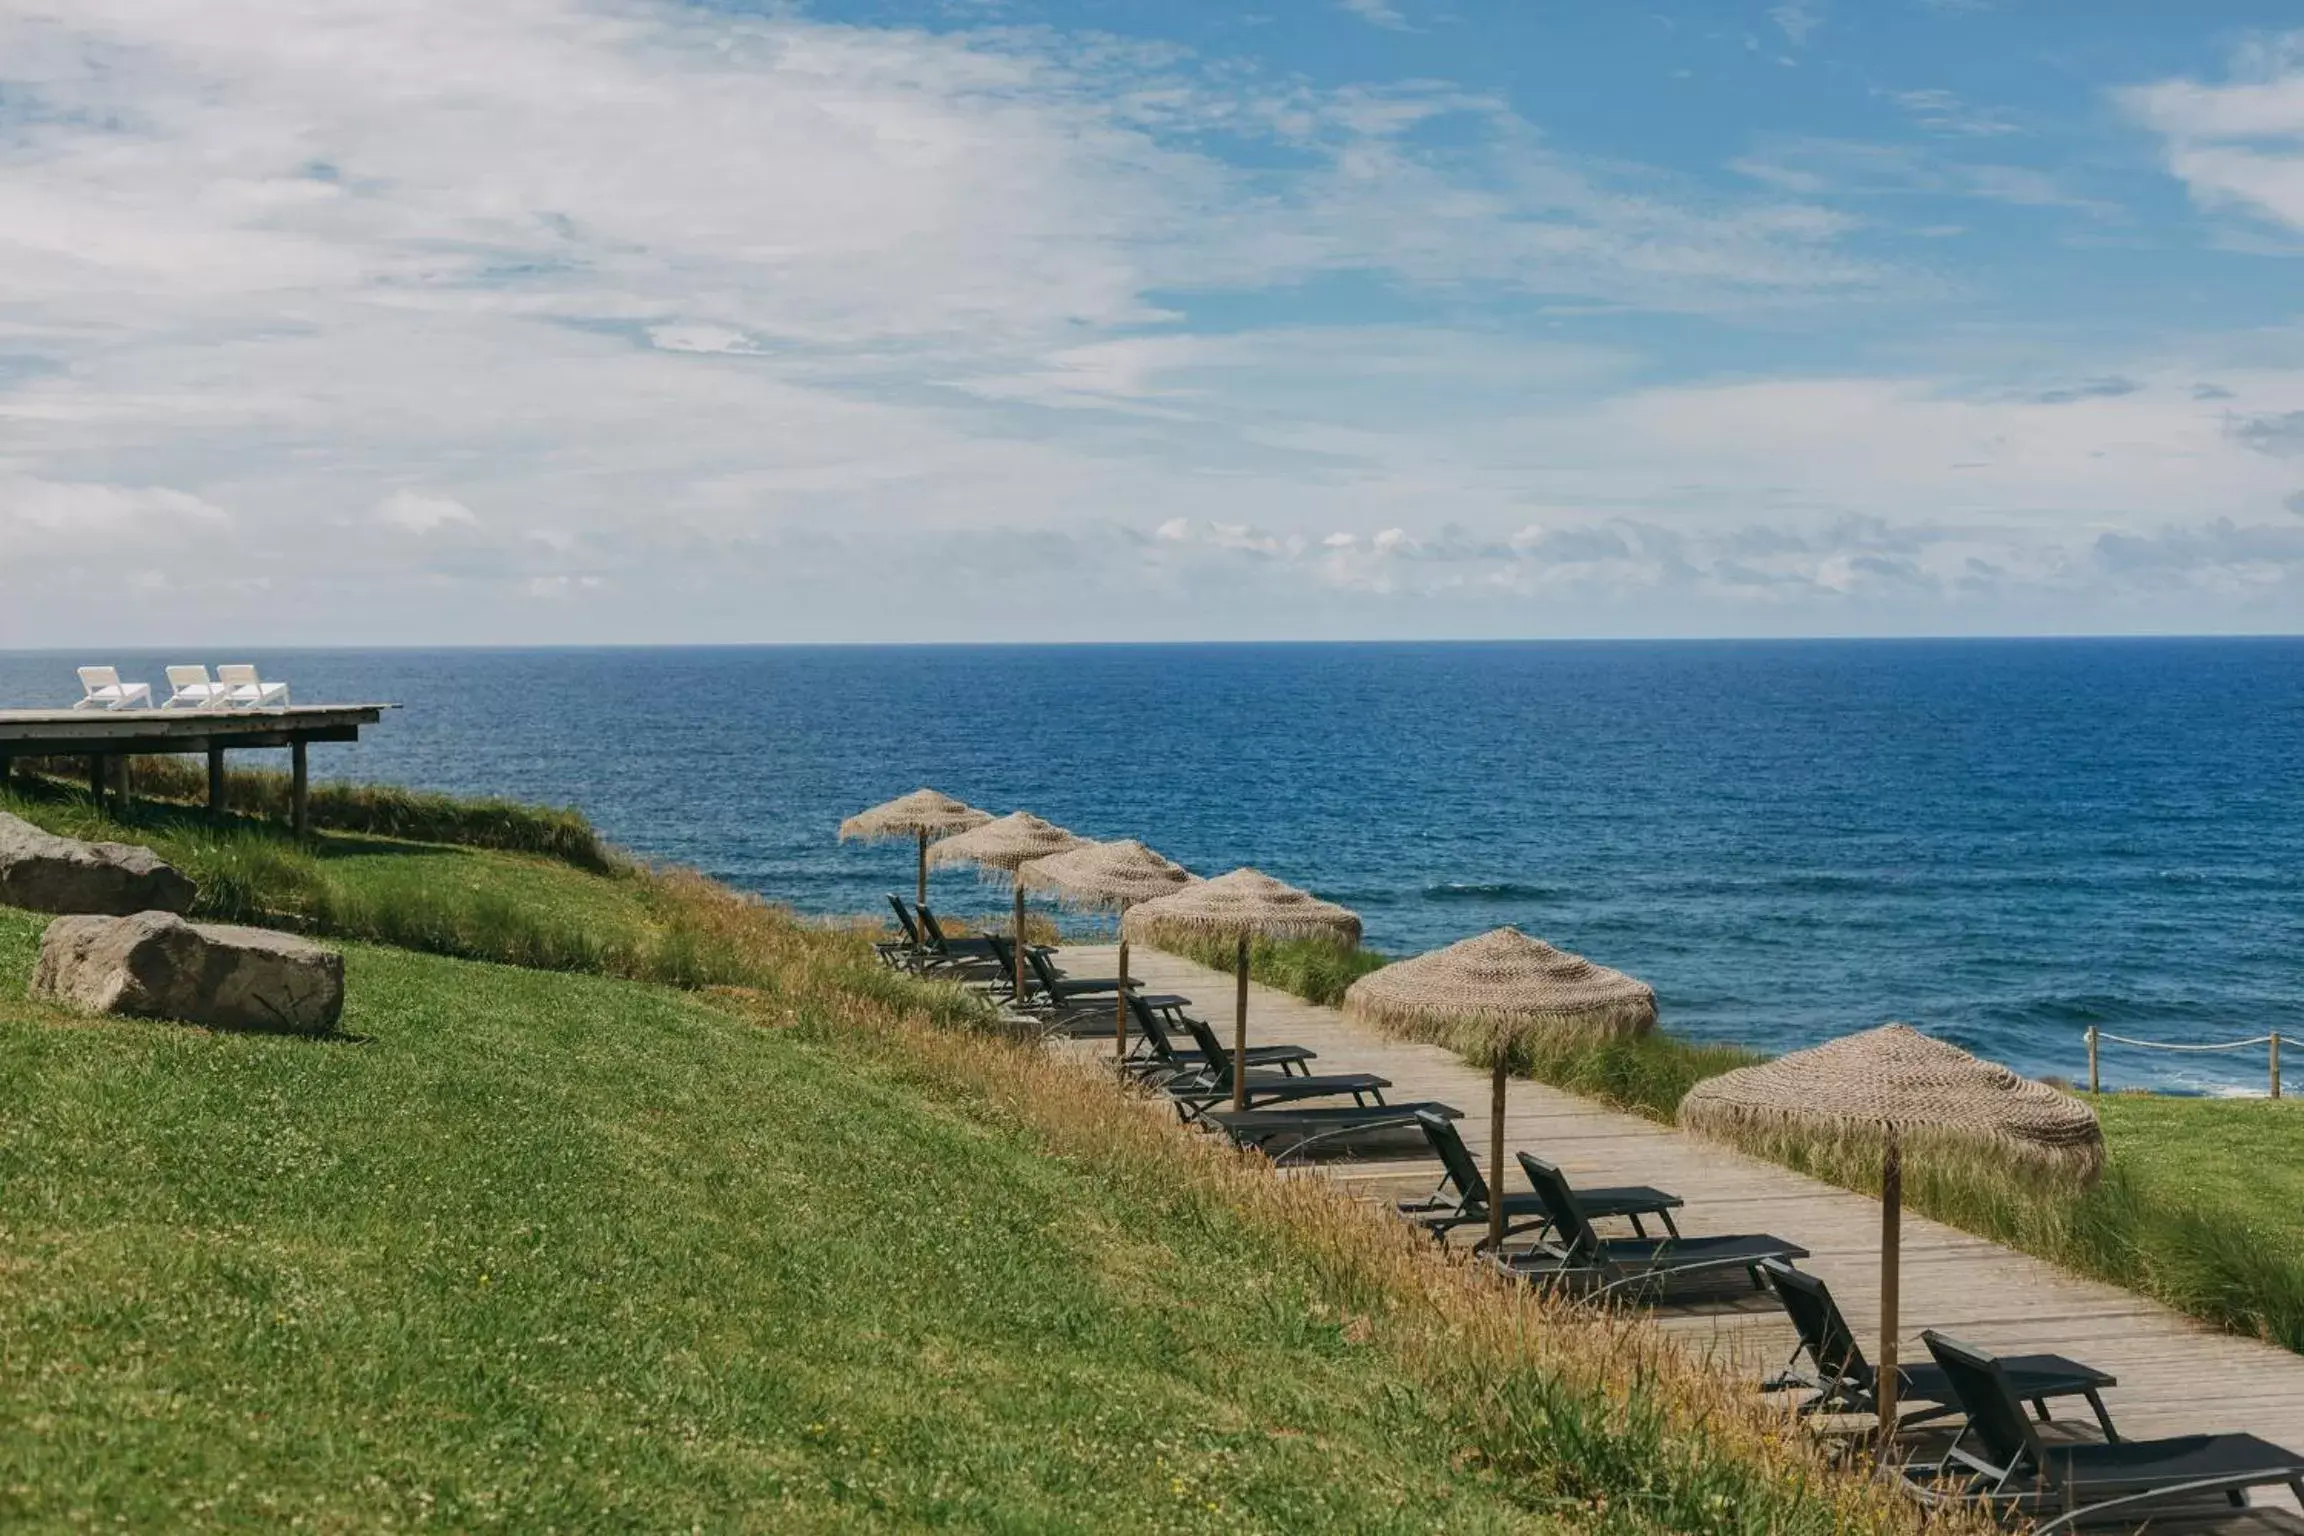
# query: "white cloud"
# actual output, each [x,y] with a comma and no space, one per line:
[1817,167]
[1376,13]
[95,518]
[2238,145]
[1797,19]
[701,338]
[415,513]
[1941,111]
[562,588]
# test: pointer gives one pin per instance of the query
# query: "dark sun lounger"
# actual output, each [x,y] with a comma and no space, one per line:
[1461,1200]
[2000,1461]
[1582,1257]
[1299,1128]
[953,957]
[1158,1059]
[1206,1086]
[1830,1364]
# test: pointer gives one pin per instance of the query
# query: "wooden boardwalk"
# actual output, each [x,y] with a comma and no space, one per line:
[2176,1376]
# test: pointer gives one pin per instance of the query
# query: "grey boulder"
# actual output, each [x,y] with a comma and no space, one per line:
[63,874]
[156,965]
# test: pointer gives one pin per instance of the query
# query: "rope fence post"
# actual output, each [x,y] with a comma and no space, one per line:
[2271,1041]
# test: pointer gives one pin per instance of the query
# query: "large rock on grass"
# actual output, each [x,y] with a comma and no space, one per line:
[156,965]
[63,874]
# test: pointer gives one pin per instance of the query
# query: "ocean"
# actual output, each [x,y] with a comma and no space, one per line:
[2002,842]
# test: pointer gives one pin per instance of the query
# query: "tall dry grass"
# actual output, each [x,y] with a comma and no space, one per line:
[1598,1419]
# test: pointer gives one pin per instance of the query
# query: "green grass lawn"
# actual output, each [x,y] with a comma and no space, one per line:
[2241,1158]
[553,1250]
[2207,1208]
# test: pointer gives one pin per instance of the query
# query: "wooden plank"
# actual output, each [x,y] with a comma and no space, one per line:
[2176,1374]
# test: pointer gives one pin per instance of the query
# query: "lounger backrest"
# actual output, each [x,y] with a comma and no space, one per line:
[235,675]
[932,928]
[1560,1203]
[1041,969]
[1002,954]
[1824,1333]
[93,678]
[904,920]
[1455,1157]
[1219,1059]
[1999,1436]
[181,678]
[1148,1024]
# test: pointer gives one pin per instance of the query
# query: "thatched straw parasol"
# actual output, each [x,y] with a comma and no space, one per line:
[1934,1093]
[1886,1086]
[1002,847]
[924,813]
[1486,996]
[1108,877]
[1242,905]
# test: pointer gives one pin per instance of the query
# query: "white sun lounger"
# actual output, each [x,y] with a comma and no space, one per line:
[194,691]
[243,690]
[104,690]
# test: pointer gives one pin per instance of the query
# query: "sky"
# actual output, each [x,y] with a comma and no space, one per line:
[373,322]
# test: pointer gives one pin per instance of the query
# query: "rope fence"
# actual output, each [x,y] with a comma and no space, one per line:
[2271,1041]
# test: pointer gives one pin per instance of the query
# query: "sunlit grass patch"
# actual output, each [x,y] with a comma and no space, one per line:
[378,810]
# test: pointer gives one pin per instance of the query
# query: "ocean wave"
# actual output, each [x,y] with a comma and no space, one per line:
[1489,890]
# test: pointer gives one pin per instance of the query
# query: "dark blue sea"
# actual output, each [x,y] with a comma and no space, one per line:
[2000,841]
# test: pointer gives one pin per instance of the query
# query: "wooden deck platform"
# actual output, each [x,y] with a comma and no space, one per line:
[2176,1376]
[135,732]
[107,738]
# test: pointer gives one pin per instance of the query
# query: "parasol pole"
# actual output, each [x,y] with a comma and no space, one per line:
[1120,1012]
[1240,1029]
[923,898]
[1016,878]
[1891,1263]
[1496,1158]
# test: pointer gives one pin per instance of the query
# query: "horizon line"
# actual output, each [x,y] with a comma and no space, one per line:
[2098,637]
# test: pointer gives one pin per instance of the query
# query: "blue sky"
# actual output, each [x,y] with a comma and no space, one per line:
[383,321]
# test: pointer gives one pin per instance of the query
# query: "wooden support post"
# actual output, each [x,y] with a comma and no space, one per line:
[299,787]
[923,896]
[124,784]
[96,780]
[1120,1015]
[1015,875]
[2275,1063]
[1891,1277]
[1496,1158]
[7,773]
[1240,1029]
[2092,1083]
[215,783]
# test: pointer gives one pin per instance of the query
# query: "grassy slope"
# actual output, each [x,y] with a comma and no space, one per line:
[556,1249]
